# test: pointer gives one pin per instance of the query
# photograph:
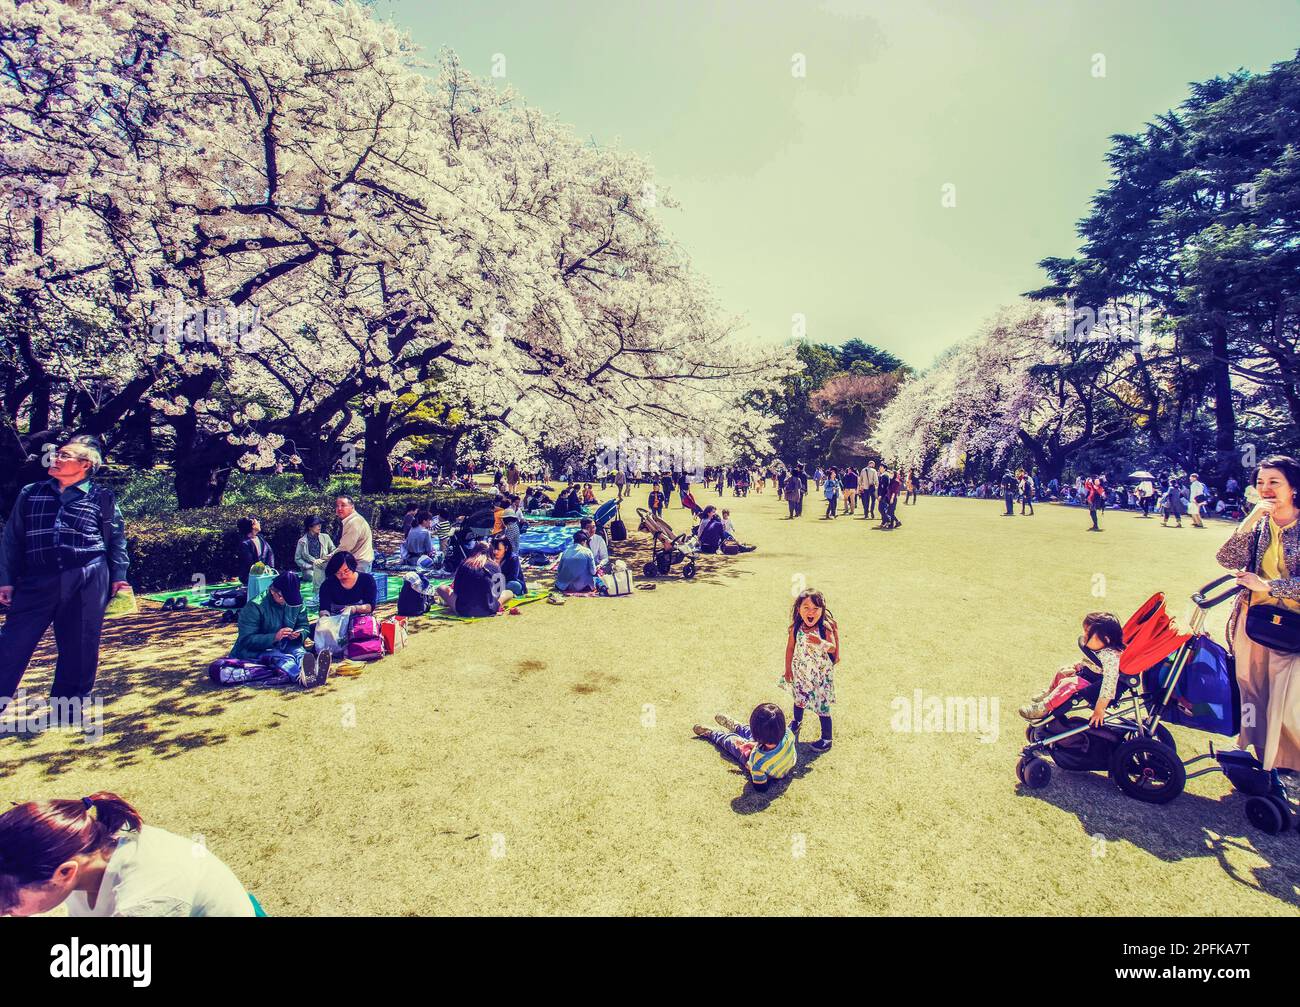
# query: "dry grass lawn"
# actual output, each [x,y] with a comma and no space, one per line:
[544,763]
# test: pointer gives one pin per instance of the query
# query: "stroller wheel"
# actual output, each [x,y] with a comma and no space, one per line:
[664,562]
[652,570]
[1268,814]
[1148,771]
[1033,772]
[688,569]
[1165,738]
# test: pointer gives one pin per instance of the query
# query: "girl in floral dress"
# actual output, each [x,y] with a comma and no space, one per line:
[811,654]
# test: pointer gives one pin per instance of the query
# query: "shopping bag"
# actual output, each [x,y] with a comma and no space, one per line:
[393,631]
[331,633]
[122,603]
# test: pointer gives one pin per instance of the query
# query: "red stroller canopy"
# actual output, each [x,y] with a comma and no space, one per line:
[1149,637]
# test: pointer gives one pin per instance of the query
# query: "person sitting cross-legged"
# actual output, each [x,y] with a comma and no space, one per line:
[346,590]
[577,570]
[712,531]
[419,541]
[478,589]
[273,632]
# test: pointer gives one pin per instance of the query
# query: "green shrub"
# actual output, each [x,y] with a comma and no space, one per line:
[168,551]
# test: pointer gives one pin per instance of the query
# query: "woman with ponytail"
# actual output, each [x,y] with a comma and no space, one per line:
[98,858]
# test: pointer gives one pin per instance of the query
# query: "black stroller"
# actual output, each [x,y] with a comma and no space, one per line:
[1166,677]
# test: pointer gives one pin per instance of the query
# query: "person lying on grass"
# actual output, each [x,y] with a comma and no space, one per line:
[765,747]
[346,590]
[95,856]
[478,589]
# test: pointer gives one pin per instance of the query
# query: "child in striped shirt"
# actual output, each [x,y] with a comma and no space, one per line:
[765,747]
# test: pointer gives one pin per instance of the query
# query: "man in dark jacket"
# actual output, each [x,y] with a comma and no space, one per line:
[1009,493]
[62,557]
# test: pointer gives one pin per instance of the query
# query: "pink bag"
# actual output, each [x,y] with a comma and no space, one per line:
[365,650]
[362,628]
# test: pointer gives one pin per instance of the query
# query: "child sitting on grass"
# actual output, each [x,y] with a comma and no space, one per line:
[765,748]
[1103,636]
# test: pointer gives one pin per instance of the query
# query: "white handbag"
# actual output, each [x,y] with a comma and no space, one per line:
[620,580]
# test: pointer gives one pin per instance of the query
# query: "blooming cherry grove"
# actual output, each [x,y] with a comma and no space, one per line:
[265,231]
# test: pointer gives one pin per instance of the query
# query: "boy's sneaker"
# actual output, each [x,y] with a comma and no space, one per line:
[701,731]
[723,721]
[323,662]
[307,676]
[820,745]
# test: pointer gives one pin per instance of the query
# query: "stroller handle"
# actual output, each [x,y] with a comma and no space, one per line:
[1202,602]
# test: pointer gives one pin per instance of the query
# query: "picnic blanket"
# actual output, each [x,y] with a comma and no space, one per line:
[442,612]
[549,539]
[388,588]
[193,595]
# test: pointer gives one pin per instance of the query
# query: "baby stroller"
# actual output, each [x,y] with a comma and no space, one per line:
[666,548]
[473,528]
[1166,677]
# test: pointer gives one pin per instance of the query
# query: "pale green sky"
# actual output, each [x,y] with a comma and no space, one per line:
[823,195]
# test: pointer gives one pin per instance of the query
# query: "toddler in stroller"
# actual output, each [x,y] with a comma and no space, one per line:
[1170,677]
[1094,683]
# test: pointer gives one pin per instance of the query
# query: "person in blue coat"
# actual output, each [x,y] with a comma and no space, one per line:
[62,557]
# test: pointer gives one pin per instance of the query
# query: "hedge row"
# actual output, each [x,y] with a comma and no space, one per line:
[169,552]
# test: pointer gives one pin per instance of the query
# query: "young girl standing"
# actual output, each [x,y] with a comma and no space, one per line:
[811,653]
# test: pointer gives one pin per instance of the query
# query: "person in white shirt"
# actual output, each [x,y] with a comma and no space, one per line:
[1199,497]
[356,538]
[597,544]
[97,858]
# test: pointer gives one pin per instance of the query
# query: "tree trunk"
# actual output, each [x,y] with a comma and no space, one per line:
[1224,414]
[376,471]
[200,483]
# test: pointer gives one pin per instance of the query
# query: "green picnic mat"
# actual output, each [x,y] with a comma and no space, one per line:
[193,595]
[442,612]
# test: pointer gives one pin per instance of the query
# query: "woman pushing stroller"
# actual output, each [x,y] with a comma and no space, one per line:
[1264,627]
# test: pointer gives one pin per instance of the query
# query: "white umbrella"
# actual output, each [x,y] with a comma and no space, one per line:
[1140,475]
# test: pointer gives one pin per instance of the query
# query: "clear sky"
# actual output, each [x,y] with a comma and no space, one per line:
[823,195]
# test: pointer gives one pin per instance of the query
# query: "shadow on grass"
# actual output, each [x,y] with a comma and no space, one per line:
[1190,826]
[751,801]
[157,697]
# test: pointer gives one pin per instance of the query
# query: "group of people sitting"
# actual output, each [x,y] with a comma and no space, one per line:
[274,634]
[276,637]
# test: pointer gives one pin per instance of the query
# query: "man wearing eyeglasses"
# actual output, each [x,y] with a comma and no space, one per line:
[62,556]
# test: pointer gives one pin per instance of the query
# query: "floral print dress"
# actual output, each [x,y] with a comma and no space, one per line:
[814,677]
